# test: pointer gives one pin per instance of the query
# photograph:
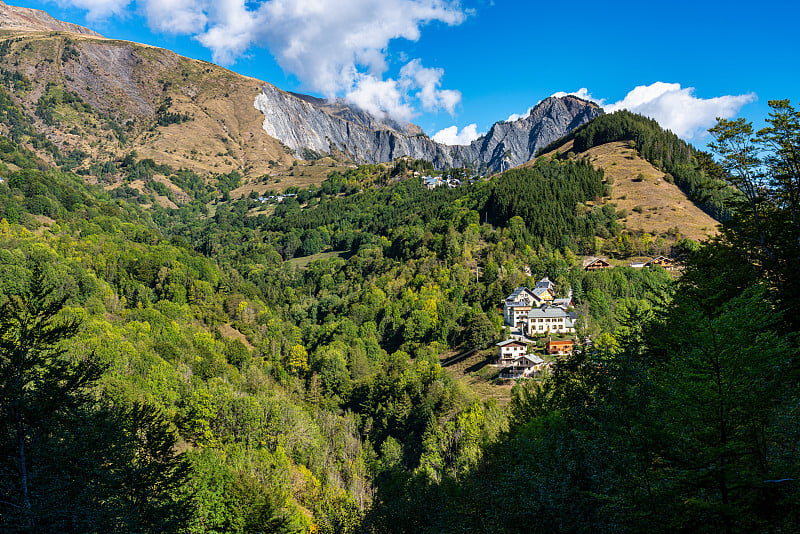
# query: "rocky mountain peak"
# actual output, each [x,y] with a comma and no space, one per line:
[311,125]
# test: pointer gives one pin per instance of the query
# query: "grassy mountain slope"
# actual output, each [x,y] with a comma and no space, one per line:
[108,98]
[651,203]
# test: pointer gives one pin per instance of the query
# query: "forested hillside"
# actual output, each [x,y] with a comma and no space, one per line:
[169,366]
[683,417]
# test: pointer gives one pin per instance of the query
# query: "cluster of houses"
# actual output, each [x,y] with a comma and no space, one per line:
[276,198]
[432,182]
[534,312]
[537,311]
[594,263]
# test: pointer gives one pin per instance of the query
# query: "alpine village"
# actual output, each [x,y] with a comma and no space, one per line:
[229,308]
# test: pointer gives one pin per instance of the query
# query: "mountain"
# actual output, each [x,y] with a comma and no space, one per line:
[101,99]
[26,19]
[649,202]
[305,124]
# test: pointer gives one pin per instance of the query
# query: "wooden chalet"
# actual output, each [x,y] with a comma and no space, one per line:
[523,366]
[559,346]
[662,261]
[593,263]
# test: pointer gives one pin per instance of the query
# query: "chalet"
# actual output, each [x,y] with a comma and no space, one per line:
[523,366]
[545,283]
[593,263]
[509,350]
[559,346]
[662,261]
[550,319]
[517,305]
[544,291]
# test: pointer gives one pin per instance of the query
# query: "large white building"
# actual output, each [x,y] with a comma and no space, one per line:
[549,319]
[537,311]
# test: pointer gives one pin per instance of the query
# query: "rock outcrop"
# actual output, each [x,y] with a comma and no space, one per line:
[309,125]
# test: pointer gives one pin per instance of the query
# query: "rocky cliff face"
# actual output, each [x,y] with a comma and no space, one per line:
[123,85]
[26,19]
[307,124]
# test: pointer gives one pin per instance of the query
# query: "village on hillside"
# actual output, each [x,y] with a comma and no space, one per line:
[542,327]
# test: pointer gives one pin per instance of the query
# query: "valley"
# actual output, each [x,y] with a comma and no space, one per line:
[225,307]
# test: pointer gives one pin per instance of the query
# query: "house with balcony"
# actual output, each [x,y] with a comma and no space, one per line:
[517,305]
[523,367]
[509,350]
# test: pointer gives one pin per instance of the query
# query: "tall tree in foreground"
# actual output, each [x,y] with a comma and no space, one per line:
[69,462]
[38,381]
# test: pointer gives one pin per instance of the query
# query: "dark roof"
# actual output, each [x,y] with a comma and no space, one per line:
[517,293]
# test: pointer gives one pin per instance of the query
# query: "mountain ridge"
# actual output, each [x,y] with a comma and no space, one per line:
[192,114]
[27,19]
[505,145]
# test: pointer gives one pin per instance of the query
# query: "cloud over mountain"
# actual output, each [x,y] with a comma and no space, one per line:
[452,135]
[334,47]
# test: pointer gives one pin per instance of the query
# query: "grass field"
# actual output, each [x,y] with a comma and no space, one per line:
[476,373]
[302,263]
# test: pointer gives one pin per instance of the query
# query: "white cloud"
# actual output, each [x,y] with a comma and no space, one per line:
[580,93]
[380,97]
[428,82]
[678,109]
[99,9]
[451,135]
[516,116]
[334,47]
[175,16]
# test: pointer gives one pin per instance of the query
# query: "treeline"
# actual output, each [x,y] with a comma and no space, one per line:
[242,391]
[693,171]
[546,197]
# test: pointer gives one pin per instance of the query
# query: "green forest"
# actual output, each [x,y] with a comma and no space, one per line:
[225,367]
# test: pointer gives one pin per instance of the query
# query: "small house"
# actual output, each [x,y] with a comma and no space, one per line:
[509,350]
[523,366]
[593,263]
[559,346]
[544,291]
[662,261]
[430,182]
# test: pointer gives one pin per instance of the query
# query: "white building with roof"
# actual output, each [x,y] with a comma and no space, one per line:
[549,319]
[523,366]
[509,350]
[517,305]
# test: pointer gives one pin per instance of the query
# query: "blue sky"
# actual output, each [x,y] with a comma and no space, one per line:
[444,63]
